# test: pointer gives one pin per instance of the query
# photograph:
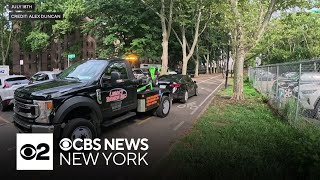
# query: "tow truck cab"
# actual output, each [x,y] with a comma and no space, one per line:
[86,96]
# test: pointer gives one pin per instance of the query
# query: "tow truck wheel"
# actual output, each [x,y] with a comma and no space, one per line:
[164,108]
[79,128]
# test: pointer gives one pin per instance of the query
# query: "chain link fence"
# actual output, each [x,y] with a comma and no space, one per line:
[291,88]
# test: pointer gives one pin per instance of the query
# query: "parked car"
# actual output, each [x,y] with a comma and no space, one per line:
[310,98]
[44,76]
[181,86]
[289,75]
[171,72]
[287,85]
[8,84]
[138,73]
[265,76]
[145,71]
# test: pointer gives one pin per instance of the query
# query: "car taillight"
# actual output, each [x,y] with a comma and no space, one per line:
[6,85]
[175,85]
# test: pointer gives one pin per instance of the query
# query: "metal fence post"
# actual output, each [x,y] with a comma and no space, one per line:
[260,87]
[298,97]
[277,87]
[255,78]
[268,82]
[315,66]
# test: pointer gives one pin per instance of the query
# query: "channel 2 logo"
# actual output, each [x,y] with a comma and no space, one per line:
[34,151]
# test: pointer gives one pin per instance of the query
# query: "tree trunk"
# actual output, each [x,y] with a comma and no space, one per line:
[2,52]
[238,75]
[8,46]
[207,64]
[186,56]
[196,71]
[184,66]
[165,56]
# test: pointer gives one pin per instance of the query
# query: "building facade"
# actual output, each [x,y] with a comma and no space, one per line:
[54,56]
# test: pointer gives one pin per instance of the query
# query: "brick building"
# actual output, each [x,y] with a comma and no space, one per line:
[54,56]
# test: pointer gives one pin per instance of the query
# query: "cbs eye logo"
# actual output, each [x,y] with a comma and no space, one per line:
[65,144]
[34,151]
[29,152]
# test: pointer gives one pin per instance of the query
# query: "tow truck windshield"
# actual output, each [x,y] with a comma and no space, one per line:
[83,71]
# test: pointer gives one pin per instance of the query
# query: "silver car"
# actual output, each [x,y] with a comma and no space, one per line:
[43,76]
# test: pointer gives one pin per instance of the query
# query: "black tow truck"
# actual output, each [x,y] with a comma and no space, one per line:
[86,96]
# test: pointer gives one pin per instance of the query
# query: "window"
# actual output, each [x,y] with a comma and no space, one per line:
[29,56]
[40,77]
[117,67]
[84,71]
[17,81]
[29,66]
[87,43]
[91,44]
[21,57]
[87,54]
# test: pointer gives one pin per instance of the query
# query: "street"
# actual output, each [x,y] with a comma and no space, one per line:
[161,133]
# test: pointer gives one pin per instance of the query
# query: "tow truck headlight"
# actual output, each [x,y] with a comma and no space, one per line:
[45,108]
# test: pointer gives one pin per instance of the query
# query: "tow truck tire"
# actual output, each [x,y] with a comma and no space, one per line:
[164,107]
[75,126]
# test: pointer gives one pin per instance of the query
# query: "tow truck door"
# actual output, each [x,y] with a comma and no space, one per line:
[119,97]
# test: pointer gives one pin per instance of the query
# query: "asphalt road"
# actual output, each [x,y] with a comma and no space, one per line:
[161,134]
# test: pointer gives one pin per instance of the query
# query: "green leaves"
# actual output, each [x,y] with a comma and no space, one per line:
[292,37]
[127,22]
[37,40]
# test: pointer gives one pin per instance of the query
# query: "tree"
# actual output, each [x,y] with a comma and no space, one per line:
[122,29]
[290,37]
[38,41]
[189,15]
[251,19]
[6,32]
[166,16]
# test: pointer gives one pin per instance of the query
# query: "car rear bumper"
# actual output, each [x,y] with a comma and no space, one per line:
[177,95]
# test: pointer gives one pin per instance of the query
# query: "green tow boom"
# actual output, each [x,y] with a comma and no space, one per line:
[152,71]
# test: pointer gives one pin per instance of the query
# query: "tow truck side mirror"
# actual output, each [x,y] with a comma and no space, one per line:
[114,77]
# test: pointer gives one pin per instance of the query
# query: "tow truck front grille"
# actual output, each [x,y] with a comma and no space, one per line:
[25,109]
